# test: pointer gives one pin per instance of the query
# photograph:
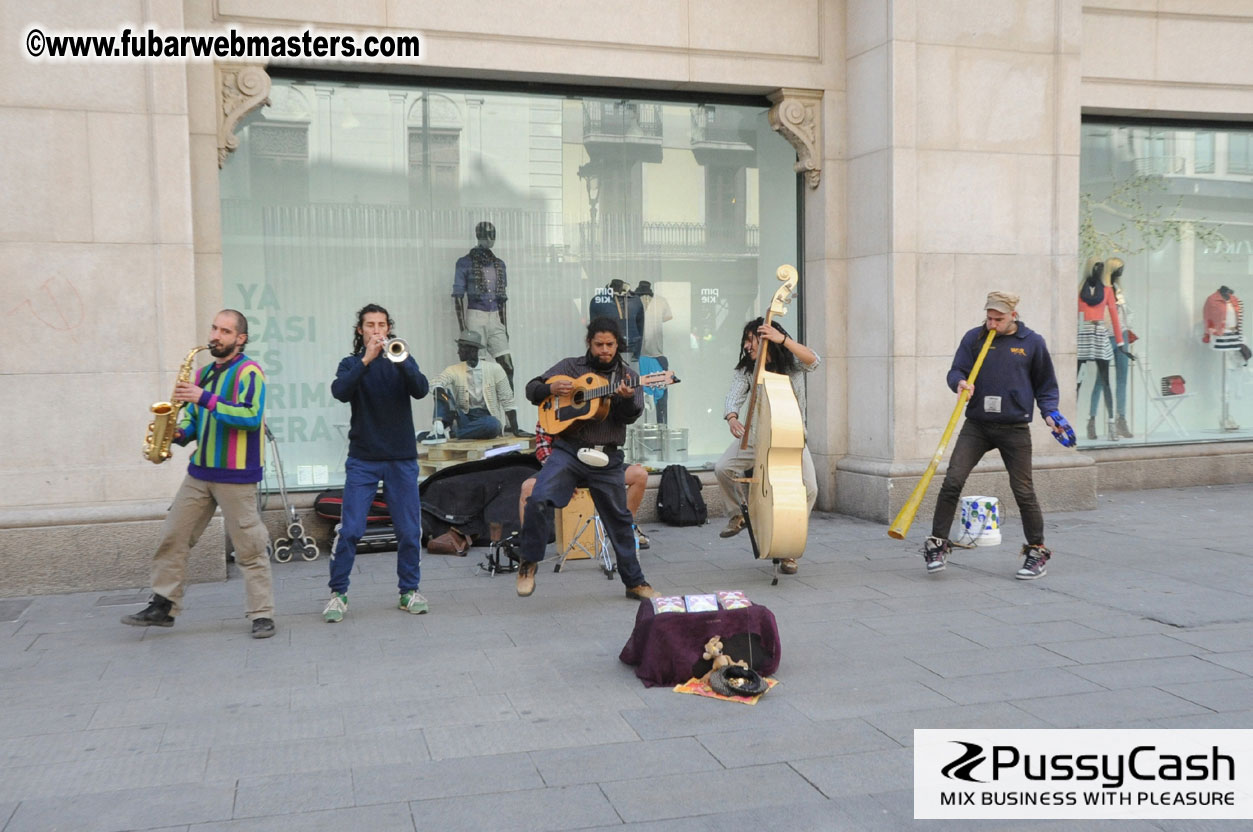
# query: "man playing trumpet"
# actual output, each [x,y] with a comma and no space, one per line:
[381,447]
[1017,371]
[224,415]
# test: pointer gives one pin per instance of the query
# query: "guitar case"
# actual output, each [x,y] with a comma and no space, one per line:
[475,494]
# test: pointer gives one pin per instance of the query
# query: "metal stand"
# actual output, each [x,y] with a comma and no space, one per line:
[296,542]
[603,551]
[752,538]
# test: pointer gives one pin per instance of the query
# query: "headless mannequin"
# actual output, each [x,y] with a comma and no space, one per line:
[656,312]
[492,300]
[446,407]
[1224,314]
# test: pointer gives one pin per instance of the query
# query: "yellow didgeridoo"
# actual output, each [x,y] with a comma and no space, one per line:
[905,517]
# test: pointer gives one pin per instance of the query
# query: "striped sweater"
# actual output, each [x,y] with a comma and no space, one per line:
[227,423]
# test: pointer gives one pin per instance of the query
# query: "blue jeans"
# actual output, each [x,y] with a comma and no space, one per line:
[555,484]
[400,488]
[1121,364]
[475,423]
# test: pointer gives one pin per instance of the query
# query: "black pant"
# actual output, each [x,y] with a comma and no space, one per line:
[975,440]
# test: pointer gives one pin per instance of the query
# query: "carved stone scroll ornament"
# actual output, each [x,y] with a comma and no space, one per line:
[797,115]
[241,89]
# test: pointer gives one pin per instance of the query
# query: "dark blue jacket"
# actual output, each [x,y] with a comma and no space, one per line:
[1017,370]
[379,392]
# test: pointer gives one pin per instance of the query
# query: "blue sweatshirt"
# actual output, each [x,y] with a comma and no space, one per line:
[379,392]
[1017,370]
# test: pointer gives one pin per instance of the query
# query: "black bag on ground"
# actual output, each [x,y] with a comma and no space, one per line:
[473,495]
[679,502]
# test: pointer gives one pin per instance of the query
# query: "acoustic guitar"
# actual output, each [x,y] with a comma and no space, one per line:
[590,399]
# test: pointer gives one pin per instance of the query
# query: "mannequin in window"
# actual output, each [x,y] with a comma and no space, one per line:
[1112,277]
[1224,331]
[1096,305]
[617,303]
[473,398]
[656,312]
[479,294]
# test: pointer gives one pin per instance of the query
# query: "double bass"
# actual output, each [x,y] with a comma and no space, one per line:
[778,511]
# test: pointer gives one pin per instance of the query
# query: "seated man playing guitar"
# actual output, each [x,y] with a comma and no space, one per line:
[598,395]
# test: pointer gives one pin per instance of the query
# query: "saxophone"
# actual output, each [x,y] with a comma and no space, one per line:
[165,418]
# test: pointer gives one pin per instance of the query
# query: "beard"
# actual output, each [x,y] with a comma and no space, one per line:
[603,366]
[221,350]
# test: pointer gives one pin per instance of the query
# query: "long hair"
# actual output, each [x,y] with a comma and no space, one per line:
[603,324]
[358,343]
[779,359]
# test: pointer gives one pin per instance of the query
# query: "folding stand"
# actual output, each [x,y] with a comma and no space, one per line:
[603,551]
[1165,405]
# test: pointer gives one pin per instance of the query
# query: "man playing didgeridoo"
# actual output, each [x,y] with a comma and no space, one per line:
[1017,371]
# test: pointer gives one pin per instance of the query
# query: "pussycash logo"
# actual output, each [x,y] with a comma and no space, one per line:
[1142,763]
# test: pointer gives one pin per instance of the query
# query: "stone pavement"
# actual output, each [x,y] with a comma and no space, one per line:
[495,712]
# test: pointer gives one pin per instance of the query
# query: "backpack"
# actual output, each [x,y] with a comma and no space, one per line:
[679,502]
[329,505]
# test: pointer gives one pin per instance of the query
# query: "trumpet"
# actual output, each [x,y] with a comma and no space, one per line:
[396,350]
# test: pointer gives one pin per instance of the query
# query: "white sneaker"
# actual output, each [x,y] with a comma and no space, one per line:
[437,434]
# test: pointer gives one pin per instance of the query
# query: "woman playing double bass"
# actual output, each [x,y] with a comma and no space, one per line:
[784,355]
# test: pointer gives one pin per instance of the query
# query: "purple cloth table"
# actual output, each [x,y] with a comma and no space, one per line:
[666,649]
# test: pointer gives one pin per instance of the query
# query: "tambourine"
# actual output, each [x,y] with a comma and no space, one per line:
[1067,436]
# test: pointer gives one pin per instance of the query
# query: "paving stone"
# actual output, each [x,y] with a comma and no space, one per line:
[1012,686]
[990,660]
[900,725]
[390,817]
[530,810]
[526,735]
[11,609]
[654,798]
[735,749]
[1152,672]
[124,810]
[264,728]
[1108,709]
[104,775]
[1092,651]
[869,772]
[289,794]
[678,715]
[251,760]
[860,701]
[623,761]
[1223,695]
[82,745]
[1220,639]
[447,778]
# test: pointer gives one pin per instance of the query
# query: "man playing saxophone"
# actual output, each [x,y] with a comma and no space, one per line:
[224,416]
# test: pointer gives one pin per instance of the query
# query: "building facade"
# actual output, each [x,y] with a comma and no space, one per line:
[907,156]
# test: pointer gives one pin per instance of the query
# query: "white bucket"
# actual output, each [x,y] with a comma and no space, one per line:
[981,522]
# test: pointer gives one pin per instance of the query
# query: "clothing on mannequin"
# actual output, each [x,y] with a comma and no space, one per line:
[473,399]
[1112,276]
[1224,331]
[656,312]
[480,297]
[617,303]
[1097,304]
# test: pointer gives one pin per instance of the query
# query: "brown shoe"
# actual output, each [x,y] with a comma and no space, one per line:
[735,525]
[788,566]
[526,577]
[641,593]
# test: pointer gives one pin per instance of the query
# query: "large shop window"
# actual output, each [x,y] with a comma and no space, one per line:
[1166,234]
[671,216]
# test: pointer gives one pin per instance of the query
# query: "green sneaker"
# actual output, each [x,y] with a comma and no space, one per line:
[335,608]
[413,602]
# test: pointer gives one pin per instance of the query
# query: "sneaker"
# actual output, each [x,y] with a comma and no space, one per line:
[935,552]
[413,602]
[641,539]
[1034,565]
[262,627]
[437,434]
[156,614]
[735,525]
[526,577]
[788,566]
[641,593]
[335,608]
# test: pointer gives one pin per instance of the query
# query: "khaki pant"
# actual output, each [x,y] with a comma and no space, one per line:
[735,462]
[189,515]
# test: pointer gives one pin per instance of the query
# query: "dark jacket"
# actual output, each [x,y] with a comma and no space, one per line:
[622,412]
[379,392]
[1016,371]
